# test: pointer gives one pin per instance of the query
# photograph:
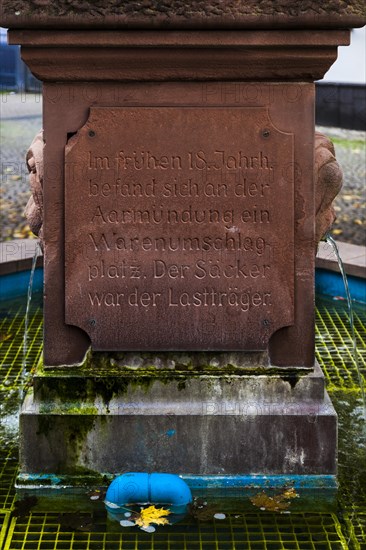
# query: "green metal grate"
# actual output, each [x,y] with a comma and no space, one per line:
[259,531]
[9,400]
[334,345]
[4,522]
[249,532]
[13,364]
[357,528]
[8,473]
[12,356]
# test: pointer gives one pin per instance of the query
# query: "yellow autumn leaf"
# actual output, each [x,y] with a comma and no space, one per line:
[290,493]
[337,231]
[150,515]
[271,504]
[275,503]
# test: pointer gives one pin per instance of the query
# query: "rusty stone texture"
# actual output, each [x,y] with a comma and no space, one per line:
[328,182]
[34,208]
[183,13]
[156,57]
[179,228]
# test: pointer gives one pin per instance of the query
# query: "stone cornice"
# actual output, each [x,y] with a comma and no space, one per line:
[185,55]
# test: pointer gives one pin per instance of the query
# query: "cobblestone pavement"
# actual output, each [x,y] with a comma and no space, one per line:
[21,119]
[350,205]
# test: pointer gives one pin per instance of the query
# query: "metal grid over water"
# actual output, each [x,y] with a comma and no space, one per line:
[334,345]
[12,327]
[357,527]
[4,523]
[8,473]
[250,531]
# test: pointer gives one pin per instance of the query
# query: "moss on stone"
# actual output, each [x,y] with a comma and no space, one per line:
[112,375]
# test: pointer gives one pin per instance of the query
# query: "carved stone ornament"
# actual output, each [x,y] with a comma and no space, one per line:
[327,172]
[328,179]
[34,209]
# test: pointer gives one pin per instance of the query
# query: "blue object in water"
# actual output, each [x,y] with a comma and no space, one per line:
[16,284]
[330,283]
[141,488]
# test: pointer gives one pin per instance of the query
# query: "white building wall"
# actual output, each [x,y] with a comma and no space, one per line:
[350,66]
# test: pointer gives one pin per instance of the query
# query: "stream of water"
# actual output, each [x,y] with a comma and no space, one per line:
[329,239]
[27,311]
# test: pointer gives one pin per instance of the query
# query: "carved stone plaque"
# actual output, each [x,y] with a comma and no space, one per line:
[179,228]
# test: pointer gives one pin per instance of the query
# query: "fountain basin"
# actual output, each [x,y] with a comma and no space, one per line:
[200,403]
[315,510]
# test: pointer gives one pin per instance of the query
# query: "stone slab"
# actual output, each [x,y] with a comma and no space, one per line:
[17,255]
[95,424]
[175,220]
[353,258]
[133,387]
[271,439]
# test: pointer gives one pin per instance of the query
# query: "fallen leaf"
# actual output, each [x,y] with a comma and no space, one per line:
[270,504]
[290,493]
[5,336]
[275,503]
[22,507]
[23,233]
[337,231]
[74,522]
[150,515]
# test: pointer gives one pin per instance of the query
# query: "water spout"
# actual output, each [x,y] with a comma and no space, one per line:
[329,239]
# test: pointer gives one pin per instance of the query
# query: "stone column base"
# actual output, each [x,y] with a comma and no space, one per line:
[80,425]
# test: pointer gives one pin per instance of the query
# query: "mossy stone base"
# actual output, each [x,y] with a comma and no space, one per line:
[86,423]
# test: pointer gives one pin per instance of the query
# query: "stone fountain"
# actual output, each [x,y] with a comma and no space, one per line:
[179,190]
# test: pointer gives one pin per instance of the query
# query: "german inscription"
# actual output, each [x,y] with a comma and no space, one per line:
[179,228]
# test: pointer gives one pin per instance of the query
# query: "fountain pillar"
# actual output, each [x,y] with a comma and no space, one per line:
[179,235]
